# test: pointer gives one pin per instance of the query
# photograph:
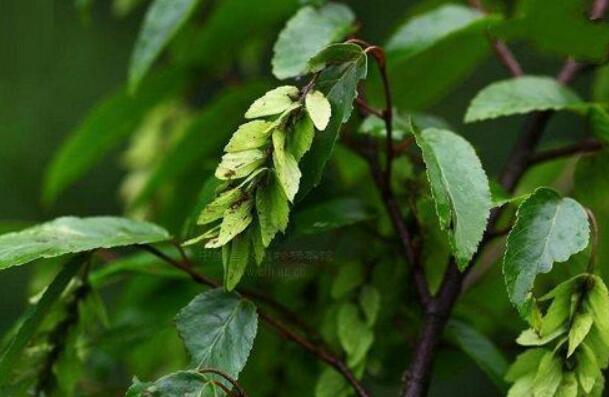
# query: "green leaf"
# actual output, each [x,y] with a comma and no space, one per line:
[104,127]
[177,384]
[370,302]
[273,102]
[568,386]
[557,315]
[428,43]
[549,376]
[234,267]
[350,276]
[218,329]
[70,235]
[330,215]
[250,135]
[338,82]
[240,164]
[548,229]
[272,208]
[459,187]
[35,316]
[318,108]
[331,384]
[335,54]
[587,369]
[600,84]
[353,333]
[216,208]
[286,166]
[236,219]
[519,96]
[582,322]
[541,24]
[162,21]
[599,120]
[307,33]
[301,138]
[525,364]
[598,303]
[480,349]
[530,337]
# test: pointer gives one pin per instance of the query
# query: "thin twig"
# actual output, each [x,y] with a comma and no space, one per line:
[227,377]
[584,146]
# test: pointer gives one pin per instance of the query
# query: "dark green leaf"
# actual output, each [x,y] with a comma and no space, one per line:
[330,215]
[599,119]
[548,229]
[307,33]
[177,384]
[218,329]
[354,335]
[301,138]
[70,235]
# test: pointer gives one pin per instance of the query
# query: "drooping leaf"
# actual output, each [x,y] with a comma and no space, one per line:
[318,108]
[69,235]
[427,43]
[338,82]
[598,303]
[235,264]
[36,315]
[587,370]
[301,138]
[580,327]
[330,215]
[236,218]
[307,33]
[286,166]
[240,164]
[480,349]
[204,198]
[250,135]
[549,375]
[459,187]
[272,208]
[218,329]
[105,126]
[548,229]
[521,95]
[177,384]
[354,335]
[273,102]
[218,206]
[162,21]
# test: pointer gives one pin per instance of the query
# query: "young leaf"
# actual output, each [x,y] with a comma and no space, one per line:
[549,375]
[307,33]
[587,369]
[548,229]
[236,219]
[459,187]
[598,304]
[272,208]
[273,102]
[521,95]
[557,315]
[354,335]
[36,315]
[234,267]
[580,327]
[216,208]
[301,138]
[525,364]
[162,21]
[69,235]
[286,166]
[484,353]
[177,384]
[240,164]
[218,329]
[318,108]
[531,337]
[370,302]
[250,135]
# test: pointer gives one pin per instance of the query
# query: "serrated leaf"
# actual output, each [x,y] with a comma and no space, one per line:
[70,235]
[301,138]
[484,353]
[235,264]
[548,229]
[177,384]
[307,33]
[240,164]
[370,302]
[286,166]
[521,95]
[353,333]
[216,208]
[273,102]
[218,329]
[582,322]
[235,220]
[525,364]
[318,108]
[250,135]
[339,83]
[428,43]
[105,126]
[162,21]
[548,377]
[459,187]
[272,208]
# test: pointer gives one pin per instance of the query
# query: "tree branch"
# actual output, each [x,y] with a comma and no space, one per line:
[584,146]
[318,350]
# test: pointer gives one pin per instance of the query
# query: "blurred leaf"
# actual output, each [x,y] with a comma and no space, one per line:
[331,384]
[235,264]
[548,229]
[421,52]
[350,276]
[36,314]
[600,84]
[70,235]
[122,8]
[206,195]
[330,215]
[178,384]
[480,349]
[599,119]
[218,329]
[459,187]
[375,126]
[519,96]
[370,302]
[338,82]
[103,128]
[307,33]
[354,335]
[162,21]
[544,26]
[435,248]
[205,137]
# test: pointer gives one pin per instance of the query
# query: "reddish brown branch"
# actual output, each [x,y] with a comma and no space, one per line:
[227,377]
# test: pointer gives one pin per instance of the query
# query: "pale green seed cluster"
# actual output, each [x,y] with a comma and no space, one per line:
[569,344]
[261,174]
